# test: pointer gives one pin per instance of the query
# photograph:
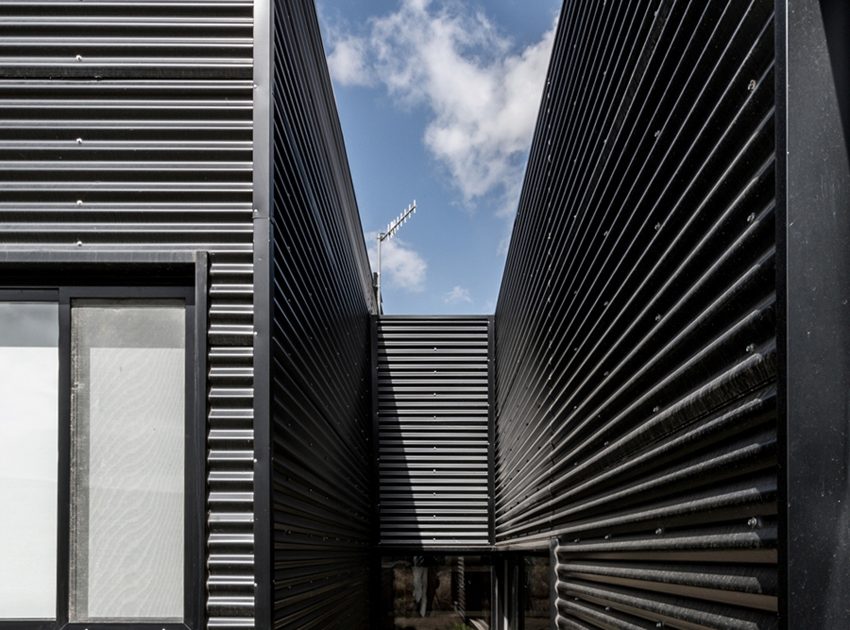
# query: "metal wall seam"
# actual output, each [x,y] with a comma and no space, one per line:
[433,417]
[262,202]
[636,323]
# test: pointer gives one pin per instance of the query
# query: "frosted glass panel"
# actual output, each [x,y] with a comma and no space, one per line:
[29,398]
[127,482]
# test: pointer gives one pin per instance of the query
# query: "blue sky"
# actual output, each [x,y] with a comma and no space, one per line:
[438,100]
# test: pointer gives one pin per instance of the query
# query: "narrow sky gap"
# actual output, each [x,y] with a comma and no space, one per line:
[438,101]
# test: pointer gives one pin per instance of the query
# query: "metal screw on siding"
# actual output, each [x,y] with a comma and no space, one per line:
[79,243]
[79,140]
[658,318]
[79,202]
[751,217]
[753,522]
[751,85]
[751,347]
[79,58]
[607,536]
[659,531]
[655,409]
[657,226]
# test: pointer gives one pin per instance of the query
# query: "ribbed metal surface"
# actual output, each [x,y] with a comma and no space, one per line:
[433,426]
[636,343]
[127,126]
[321,347]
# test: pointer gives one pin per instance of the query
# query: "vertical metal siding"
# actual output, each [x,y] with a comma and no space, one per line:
[126,126]
[433,419]
[636,336]
[321,346]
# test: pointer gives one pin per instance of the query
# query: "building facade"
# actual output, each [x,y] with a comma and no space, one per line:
[206,422]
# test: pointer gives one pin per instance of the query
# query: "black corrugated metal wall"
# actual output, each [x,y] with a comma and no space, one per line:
[126,127]
[433,423]
[320,346]
[635,328]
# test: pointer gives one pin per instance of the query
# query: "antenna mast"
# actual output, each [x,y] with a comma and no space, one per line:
[392,228]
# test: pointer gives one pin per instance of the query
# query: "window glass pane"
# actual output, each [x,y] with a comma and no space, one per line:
[29,376]
[536,589]
[435,592]
[127,468]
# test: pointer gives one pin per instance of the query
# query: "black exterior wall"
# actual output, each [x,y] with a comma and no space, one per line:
[636,324]
[433,420]
[125,143]
[320,346]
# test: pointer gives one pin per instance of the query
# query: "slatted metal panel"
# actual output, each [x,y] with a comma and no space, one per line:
[636,335]
[433,416]
[321,347]
[126,126]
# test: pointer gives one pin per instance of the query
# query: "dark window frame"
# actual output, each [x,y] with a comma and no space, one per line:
[194,297]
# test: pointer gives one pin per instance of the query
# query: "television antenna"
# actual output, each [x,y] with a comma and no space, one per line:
[392,229]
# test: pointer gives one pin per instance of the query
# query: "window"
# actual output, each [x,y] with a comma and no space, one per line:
[96,439]
[428,592]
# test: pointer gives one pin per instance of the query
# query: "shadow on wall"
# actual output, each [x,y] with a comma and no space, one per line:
[836,21]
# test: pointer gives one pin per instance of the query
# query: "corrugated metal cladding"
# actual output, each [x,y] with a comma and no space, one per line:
[635,329]
[433,416]
[126,126]
[321,346]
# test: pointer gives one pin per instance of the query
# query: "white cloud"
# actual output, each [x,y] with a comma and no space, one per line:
[347,62]
[457,295]
[482,94]
[402,266]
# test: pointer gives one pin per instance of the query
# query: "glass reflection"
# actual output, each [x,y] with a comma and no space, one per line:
[127,481]
[536,591]
[29,395]
[429,592]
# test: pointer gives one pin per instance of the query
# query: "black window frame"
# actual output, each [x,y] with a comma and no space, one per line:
[193,294]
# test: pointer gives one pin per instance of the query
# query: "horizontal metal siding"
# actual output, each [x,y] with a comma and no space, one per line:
[321,346]
[126,126]
[433,416]
[636,335]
